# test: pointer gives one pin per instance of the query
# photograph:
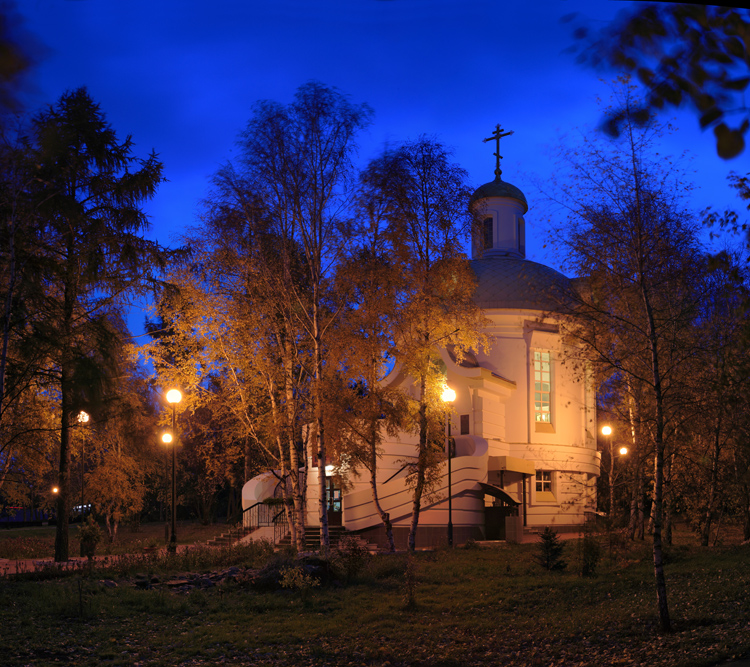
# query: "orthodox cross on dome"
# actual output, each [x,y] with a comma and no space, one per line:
[496,136]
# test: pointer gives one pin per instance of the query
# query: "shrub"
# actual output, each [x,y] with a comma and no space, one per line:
[89,535]
[350,557]
[270,575]
[297,579]
[410,582]
[591,553]
[550,551]
[16,548]
[386,566]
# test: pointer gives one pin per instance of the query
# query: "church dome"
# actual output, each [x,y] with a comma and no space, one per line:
[499,188]
[516,283]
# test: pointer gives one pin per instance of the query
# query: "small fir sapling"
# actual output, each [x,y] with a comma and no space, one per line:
[550,551]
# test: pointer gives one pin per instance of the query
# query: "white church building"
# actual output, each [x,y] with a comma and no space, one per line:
[523,420]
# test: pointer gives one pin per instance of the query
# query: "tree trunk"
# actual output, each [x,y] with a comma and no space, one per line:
[712,484]
[285,491]
[661,583]
[7,308]
[248,460]
[111,524]
[63,478]
[63,486]
[651,516]
[636,499]
[667,500]
[66,401]
[384,516]
[634,490]
[325,542]
[231,503]
[667,522]
[298,531]
[6,467]
[421,465]
[641,532]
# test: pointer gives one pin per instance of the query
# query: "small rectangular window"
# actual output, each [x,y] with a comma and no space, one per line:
[542,387]
[543,481]
[488,233]
[464,424]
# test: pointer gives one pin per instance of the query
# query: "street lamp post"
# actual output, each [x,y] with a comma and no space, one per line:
[607,432]
[83,418]
[167,439]
[448,397]
[174,397]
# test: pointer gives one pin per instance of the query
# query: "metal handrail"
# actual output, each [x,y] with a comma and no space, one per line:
[402,468]
[257,515]
[281,525]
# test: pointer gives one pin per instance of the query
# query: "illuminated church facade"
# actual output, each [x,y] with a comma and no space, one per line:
[523,420]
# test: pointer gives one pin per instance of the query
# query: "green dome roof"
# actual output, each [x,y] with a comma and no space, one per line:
[499,188]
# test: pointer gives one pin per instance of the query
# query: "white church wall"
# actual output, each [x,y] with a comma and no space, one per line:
[506,235]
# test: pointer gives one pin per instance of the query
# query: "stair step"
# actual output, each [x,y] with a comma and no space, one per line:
[229,538]
[312,536]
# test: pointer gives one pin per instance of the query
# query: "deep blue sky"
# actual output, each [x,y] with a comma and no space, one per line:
[180,76]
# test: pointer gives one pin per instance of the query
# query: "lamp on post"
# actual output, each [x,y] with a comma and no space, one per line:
[448,397]
[174,397]
[166,438]
[83,418]
[607,431]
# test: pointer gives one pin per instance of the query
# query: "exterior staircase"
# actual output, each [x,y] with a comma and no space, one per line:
[312,537]
[231,536]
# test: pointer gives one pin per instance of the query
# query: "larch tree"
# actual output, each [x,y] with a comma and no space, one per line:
[89,189]
[20,358]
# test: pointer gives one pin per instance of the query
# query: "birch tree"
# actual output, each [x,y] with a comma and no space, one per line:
[297,160]
[640,267]
[426,200]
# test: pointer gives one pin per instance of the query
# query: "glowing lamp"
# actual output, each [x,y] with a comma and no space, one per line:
[174,396]
[448,395]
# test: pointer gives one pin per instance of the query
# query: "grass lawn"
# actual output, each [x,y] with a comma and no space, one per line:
[39,541]
[473,607]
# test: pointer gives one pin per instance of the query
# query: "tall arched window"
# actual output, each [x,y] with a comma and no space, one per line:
[542,387]
[487,233]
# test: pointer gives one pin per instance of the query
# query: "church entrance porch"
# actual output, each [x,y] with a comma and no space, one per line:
[501,520]
[333,502]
